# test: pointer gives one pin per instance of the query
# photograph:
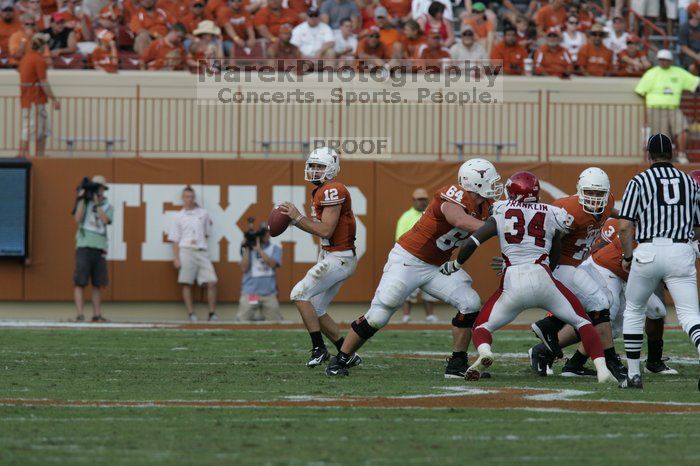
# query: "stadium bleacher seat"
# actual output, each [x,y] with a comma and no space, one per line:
[74,61]
[129,61]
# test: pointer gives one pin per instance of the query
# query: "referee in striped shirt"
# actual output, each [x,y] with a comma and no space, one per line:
[661,208]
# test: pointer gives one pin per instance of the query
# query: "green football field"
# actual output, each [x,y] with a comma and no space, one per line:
[114,396]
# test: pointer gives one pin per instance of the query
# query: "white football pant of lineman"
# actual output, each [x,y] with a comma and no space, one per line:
[322,282]
[592,293]
[404,273]
[674,263]
[655,308]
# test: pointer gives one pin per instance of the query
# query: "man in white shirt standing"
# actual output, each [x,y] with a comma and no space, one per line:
[314,38]
[189,233]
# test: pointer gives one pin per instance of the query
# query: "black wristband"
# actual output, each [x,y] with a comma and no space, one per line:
[627,259]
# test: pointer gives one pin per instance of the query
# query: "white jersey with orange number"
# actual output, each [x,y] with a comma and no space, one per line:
[526,230]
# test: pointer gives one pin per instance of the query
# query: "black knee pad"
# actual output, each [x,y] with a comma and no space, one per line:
[464,320]
[599,317]
[363,328]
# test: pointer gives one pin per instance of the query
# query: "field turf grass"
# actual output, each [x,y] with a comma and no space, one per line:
[102,372]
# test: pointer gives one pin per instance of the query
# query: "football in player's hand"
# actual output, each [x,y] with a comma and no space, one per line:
[278,221]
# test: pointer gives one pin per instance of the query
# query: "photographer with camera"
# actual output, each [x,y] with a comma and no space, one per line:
[259,285]
[189,233]
[92,213]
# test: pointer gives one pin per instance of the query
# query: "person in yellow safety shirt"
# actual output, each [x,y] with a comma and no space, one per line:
[405,223]
[662,87]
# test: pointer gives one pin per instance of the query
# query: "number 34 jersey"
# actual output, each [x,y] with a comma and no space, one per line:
[330,194]
[432,239]
[526,230]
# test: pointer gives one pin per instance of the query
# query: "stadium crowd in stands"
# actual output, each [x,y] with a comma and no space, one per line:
[552,38]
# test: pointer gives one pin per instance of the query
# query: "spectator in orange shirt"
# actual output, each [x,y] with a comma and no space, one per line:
[192,17]
[62,39]
[174,8]
[549,16]
[632,61]
[399,11]
[267,20]
[237,25]
[35,92]
[104,57]
[433,54]
[586,16]
[552,59]
[77,20]
[434,21]
[167,52]
[283,49]
[111,16]
[9,24]
[148,23]
[411,40]
[510,52]
[482,24]
[371,50]
[20,40]
[388,34]
[594,58]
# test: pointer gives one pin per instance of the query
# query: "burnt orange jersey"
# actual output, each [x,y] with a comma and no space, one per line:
[432,239]
[330,194]
[607,251]
[585,228]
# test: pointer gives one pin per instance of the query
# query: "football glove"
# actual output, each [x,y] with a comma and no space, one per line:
[448,268]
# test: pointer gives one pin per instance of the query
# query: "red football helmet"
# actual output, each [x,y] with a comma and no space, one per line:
[696,176]
[523,187]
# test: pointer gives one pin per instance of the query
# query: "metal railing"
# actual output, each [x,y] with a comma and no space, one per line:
[532,126]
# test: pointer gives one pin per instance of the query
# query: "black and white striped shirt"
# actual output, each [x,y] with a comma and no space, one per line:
[663,202]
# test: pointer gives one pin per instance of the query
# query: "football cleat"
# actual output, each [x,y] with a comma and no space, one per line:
[659,367]
[193,318]
[432,318]
[334,368]
[213,317]
[547,333]
[541,360]
[406,318]
[318,356]
[571,370]
[456,367]
[354,361]
[634,382]
[618,370]
[483,362]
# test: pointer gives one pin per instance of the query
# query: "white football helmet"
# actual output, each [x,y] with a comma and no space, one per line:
[322,156]
[480,176]
[593,189]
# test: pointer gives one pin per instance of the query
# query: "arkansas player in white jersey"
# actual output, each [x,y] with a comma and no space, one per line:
[454,213]
[590,208]
[333,221]
[530,236]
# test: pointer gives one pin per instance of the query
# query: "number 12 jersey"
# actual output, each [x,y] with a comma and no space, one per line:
[526,230]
